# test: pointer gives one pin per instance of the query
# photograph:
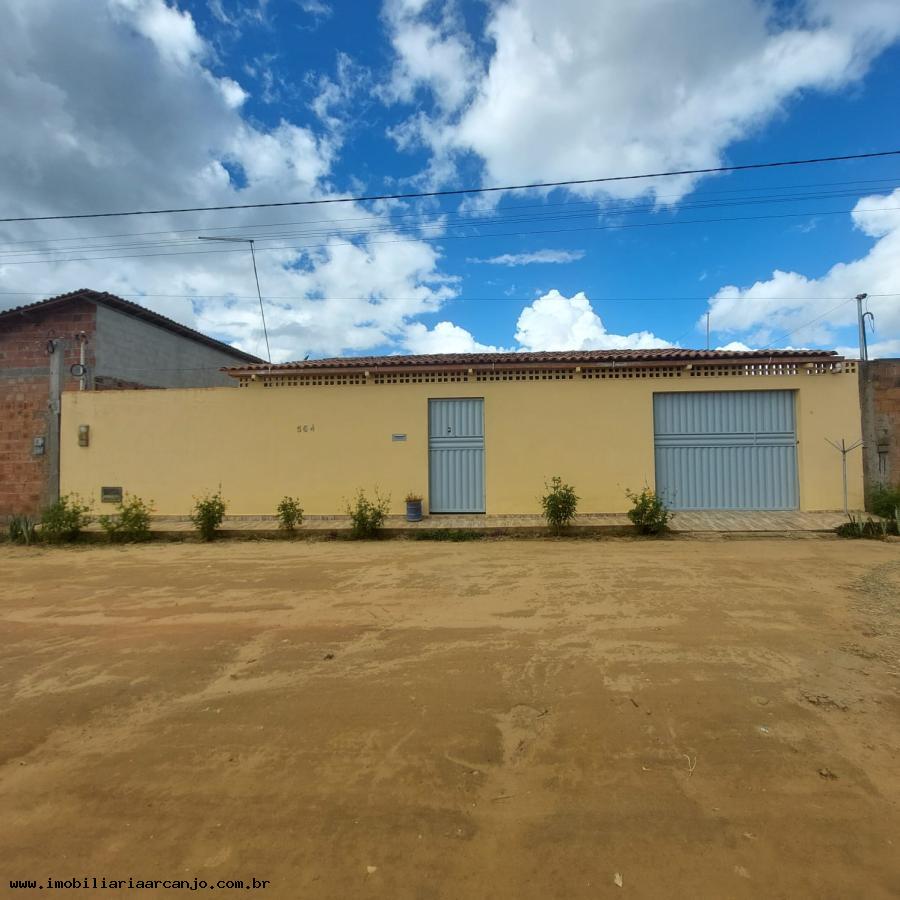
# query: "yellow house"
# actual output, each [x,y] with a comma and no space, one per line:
[481,433]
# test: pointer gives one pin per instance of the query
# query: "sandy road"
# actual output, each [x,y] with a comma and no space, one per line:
[493,719]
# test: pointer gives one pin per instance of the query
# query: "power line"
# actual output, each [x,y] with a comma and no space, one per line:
[450,237]
[827,312]
[461,191]
[510,216]
[699,199]
[866,186]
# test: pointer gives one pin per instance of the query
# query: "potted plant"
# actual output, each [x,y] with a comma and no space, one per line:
[413,507]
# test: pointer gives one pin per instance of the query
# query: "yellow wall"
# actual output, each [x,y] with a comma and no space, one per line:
[598,435]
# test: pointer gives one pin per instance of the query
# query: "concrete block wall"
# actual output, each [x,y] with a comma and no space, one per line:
[880,401]
[140,354]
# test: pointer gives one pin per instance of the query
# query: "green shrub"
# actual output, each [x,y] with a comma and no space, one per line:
[648,513]
[885,501]
[560,504]
[367,516]
[290,513]
[64,519]
[857,528]
[207,515]
[22,530]
[131,522]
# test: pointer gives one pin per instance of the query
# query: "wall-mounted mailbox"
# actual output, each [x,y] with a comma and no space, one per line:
[111,495]
[37,446]
[84,435]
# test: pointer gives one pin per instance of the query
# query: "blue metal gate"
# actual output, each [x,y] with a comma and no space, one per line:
[456,456]
[726,449]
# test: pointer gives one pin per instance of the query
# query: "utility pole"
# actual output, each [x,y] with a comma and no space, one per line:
[262,312]
[55,349]
[861,319]
[707,329]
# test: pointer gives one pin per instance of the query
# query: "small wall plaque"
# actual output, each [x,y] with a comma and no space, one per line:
[110,495]
[398,437]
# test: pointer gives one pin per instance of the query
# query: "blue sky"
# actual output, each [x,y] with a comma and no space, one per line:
[213,101]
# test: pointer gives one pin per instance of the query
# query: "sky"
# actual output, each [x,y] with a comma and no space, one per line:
[117,105]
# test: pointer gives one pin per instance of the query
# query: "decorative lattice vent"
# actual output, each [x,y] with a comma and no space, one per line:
[633,372]
[747,369]
[417,377]
[845,367]
[311,380]
[525,375]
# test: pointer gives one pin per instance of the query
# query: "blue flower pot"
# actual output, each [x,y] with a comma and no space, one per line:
[413,510]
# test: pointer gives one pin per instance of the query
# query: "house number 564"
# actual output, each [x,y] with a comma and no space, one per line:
[303,429]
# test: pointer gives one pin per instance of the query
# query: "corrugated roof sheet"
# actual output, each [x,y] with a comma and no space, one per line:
[547,357]
[133,309]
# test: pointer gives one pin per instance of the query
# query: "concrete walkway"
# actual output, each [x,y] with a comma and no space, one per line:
[682,522]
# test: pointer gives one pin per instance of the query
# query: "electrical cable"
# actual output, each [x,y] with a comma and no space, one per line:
[389,227]
[884,184]
[616,227]
[710,170]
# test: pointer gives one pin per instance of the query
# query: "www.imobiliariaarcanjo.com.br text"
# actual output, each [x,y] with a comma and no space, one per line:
[90,882]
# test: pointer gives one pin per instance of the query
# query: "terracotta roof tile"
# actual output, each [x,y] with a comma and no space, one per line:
[559,357]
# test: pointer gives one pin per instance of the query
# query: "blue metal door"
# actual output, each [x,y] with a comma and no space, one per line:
[456,456]
[726,449]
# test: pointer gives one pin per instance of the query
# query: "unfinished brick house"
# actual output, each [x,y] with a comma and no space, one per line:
[84,340]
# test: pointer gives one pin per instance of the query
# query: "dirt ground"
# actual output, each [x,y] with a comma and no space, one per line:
[522,719]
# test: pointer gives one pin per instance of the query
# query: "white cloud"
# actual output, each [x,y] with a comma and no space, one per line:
[148,124]
[317,8]
[171,31]
[337,102]
[536,256]
[579,88]
[877,349]
[445,337]
[434,54]
[244,12]
[777,310]
[552,322]
[555,322]
[734,347]
[233,94]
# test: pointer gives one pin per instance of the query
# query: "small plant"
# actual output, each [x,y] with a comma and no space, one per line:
[884,501]
[131,522]
[850,529]
[207,515]
[367,516]
[560,504]
[290,514]
[64,519]
[22,530]
[649,513]
[413,497]
[857,528]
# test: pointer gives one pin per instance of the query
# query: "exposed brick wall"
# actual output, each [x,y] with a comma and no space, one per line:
[122,352]
[24,397]
[880,400]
